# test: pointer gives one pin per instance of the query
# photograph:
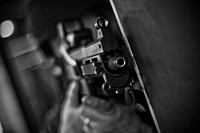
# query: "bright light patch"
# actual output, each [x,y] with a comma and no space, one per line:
[1,129]
[6,28]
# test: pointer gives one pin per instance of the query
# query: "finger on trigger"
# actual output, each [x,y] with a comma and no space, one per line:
[91,113]
[100,105]
[106,107]
[90,101]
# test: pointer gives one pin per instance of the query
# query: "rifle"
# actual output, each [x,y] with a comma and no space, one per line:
[106,66]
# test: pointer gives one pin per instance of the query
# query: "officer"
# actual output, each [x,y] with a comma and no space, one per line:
[93,115]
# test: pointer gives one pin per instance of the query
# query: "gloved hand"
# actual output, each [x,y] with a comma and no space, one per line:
[109,117]
[70,116]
